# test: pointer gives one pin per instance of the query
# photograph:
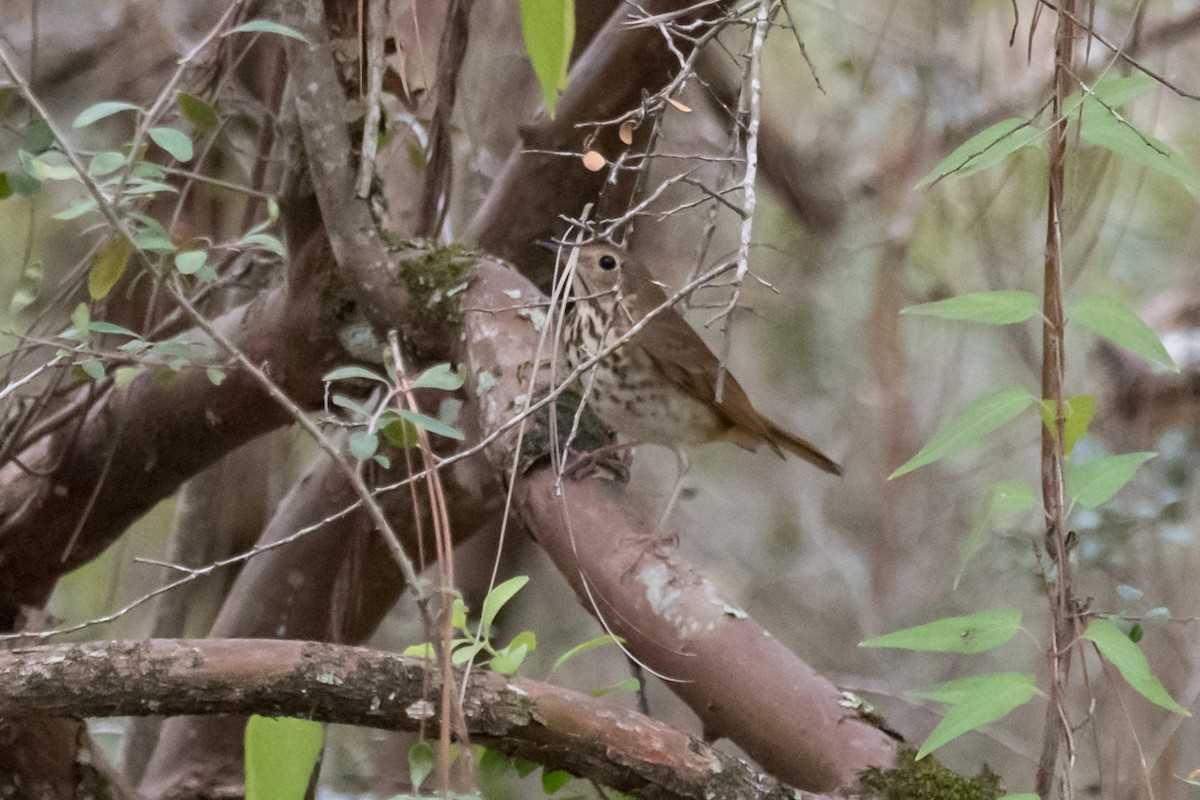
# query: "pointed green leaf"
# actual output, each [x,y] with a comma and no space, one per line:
[509,659]
[984,150]
[981,417]
[97,112]
[198,112]
[590,644]
[993,308]
[497,598]
[430,424]
[1129,660]
[420,762]
[1114,131]
[1005,499]
[267,26]
[265,241]
[1120,324]
[553,780]
[440,376]
[174,141]
[113,328]
[1096,482]
[280,756]
[215,376]
[973,633]
[549,30]
[39,167]
[345,373]
[974,702]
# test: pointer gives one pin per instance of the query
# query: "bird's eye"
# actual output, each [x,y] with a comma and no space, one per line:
[607,263]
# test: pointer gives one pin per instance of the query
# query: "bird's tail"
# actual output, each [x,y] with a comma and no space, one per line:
[781,440]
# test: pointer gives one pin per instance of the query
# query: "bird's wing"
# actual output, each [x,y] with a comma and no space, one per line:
[687,362]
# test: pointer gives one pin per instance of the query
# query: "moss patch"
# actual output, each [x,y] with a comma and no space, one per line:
[927,779]
[436,277]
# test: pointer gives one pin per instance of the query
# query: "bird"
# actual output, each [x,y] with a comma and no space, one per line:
[660,386]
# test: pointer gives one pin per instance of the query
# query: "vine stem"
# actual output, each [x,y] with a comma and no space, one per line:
[1061,590]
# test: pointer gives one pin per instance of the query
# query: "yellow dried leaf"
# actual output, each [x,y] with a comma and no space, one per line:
[108,268]
[625,132]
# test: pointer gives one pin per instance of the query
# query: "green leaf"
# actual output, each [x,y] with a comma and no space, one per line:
[423,650]
[1120,324]
[97,112]
[974,702]
[6,189]
[1110,129]
[346,373]
[198,112]
[280,756]
[440,376]
[1129,660]
[981,417]
[106,163]
[430,424]
[28,286]
[123,376]
[984,150]
[590,644]
[174,141]
[1005,499]
[420,762]
[553,780]
[113,328]
[508,660]
[215,376]
[94,369]
[401,433]
[1096,482]
[38,138]
[267,26]
[549,30]
[973,633]
[1078,413]
[37,167]
[363,444]
[497,598]
[23,184]
[265,241]
[993,308]
[80,318]
[189,262]
[76,210]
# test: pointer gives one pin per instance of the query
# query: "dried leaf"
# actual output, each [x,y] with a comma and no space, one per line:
[593,161]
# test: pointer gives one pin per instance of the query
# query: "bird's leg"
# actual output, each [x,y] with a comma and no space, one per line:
[681,471]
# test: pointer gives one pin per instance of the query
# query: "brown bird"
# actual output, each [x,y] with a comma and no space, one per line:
[661,385]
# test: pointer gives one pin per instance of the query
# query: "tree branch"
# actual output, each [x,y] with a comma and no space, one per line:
[556,727]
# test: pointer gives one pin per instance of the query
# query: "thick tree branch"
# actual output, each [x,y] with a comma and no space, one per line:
[357,686]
